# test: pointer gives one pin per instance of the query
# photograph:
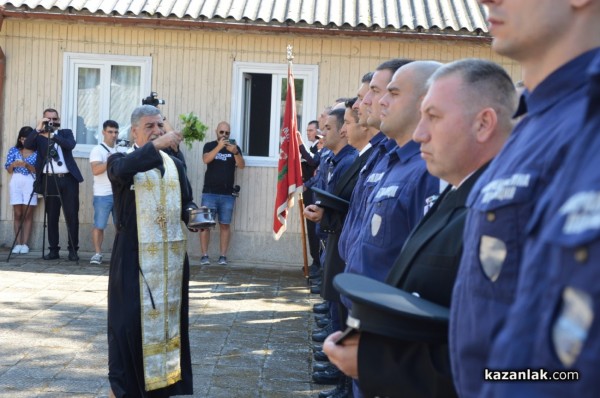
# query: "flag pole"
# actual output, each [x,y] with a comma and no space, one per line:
[289,172]
[290,58]
[303,227]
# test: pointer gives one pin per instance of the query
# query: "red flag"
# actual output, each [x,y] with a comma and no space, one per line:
[289,176]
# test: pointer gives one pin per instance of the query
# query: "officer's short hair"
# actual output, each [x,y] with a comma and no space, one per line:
[393,64]
[367,77]
[350,102]
[353,113]
[489,80]
[339,116]
[341,100]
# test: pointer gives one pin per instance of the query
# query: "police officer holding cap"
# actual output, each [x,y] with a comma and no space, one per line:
[554,45]
[402,349]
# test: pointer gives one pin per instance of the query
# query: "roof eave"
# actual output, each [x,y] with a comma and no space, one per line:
[289,27]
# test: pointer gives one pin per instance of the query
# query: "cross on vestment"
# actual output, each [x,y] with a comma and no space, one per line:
[161,219]
[154,313]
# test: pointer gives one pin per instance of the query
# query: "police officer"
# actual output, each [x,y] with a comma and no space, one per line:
[401,181]
[369,114]
[330,213]
[310,159]
[554,323]
[554,45]
[339,155]
[466,120]
[330,171]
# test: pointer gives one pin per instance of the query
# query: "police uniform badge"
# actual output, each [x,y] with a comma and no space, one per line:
[572,325]
[492,253]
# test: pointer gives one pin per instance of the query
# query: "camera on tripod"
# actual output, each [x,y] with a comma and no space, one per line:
[49,126]
[153,100]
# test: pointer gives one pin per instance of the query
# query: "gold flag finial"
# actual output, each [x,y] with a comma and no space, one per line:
[290,55]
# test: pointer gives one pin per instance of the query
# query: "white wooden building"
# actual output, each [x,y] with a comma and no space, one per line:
[224,60]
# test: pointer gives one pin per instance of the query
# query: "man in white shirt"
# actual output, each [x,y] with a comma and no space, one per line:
[103,195]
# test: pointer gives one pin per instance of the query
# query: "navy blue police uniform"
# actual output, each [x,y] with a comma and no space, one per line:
[501,205]
[356,210]
[392,210]
[379,169]
[552,324]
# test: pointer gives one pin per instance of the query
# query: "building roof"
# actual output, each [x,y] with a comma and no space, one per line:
[463,17]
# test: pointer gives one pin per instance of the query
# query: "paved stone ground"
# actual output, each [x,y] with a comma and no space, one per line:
[249,329]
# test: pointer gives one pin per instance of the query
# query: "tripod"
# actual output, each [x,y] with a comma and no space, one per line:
[47,166]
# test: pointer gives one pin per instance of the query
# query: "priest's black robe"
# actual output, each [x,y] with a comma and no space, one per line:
[125,358]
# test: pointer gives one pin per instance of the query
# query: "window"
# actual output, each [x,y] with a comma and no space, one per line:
[100,87]
[258,104]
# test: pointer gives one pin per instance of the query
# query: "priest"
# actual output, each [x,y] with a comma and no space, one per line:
[148,341]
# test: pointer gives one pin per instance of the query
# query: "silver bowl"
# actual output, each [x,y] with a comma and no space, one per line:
[202,217]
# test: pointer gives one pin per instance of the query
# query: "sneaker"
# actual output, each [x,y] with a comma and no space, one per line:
[96,259]
[222,260]
[16,249]
[24,249]
[204,260]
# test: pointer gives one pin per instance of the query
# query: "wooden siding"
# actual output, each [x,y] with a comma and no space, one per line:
[192,70]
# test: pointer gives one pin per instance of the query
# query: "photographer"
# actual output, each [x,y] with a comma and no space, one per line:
[59,177]
[103,195]
[221,156]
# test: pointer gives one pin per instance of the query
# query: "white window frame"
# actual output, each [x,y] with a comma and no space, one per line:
[310,75]
[72,61]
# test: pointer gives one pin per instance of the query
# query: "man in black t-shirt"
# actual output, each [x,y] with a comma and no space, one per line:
[221,157]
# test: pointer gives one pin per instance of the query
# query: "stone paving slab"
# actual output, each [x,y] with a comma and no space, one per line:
[250,329]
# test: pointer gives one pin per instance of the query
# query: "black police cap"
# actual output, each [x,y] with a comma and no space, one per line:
[386,310]
[330,201]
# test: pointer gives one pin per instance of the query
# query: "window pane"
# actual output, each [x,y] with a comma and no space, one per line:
[246,101]
[124,95]
[88,105]
[259,110]
[259,96]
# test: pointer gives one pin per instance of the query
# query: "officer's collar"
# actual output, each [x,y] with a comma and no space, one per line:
[378,139]
[560,83]
[406,151]
[342,153]
[522,107]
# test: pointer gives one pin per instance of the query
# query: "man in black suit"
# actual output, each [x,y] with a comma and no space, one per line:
[465,120]
[310,159]
[332,220]
[59,175]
